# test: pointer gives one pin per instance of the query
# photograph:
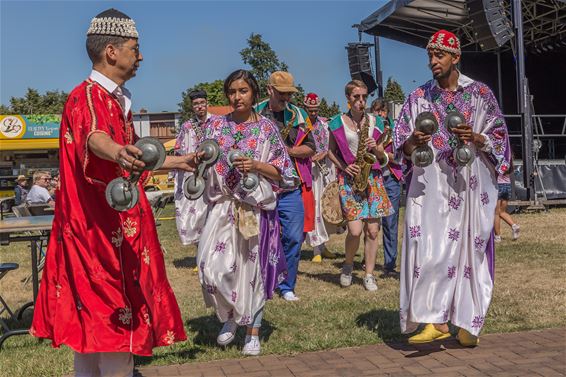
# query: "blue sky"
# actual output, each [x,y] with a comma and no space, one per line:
[187,42]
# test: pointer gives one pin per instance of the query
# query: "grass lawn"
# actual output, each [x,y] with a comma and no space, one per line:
[529,294]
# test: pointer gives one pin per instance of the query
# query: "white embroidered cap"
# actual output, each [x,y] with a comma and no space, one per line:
[113,22]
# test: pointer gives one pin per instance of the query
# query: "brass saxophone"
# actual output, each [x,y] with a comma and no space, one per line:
[364,159]
[287,128]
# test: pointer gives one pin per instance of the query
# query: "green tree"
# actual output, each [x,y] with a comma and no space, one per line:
[262,59]
[5,110]
[393,91]
[214,91]
[52,102]
[328,111]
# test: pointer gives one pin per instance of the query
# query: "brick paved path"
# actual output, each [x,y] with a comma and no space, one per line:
[533,353]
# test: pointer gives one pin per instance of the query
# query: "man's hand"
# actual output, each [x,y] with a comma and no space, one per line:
[245,164]
[465,134]
[128,158]
[352,170]
[188,162]
[319,156]
[419,138]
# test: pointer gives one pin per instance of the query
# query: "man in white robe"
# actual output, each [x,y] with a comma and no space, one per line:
[447,261]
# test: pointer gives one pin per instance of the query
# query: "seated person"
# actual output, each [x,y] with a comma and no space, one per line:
[20,191]
[53,185]
[39,194]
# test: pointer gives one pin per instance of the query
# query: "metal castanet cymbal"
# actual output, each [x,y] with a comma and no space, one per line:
[426,123]
[193,187]
[249,182]
[422,156]
[211,152]
[233,155]
[453,119]
[463,155]
[121,194]
[153,152]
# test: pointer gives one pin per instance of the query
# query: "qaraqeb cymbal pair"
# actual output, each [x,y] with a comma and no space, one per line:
[194,186]
[122,193]
[426,122]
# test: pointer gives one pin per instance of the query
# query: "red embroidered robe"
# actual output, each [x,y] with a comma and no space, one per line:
[104,286]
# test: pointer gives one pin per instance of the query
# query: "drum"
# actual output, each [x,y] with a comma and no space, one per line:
[330,204]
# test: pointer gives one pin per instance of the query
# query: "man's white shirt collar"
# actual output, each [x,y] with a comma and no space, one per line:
[463,81]
[112,87]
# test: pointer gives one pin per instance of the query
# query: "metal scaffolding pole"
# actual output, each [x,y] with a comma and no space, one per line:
[378,73]
[524,104]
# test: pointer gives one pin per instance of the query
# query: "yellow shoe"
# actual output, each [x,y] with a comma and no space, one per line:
[466,339]
[316,259]
[327,254]
[195,269]
[429,334]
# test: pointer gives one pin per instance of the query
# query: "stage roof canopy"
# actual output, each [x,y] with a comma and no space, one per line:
[414,21]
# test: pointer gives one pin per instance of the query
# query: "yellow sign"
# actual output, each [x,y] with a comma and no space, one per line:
[12,127]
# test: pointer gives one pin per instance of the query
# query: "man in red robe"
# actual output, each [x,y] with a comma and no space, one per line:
[104,291]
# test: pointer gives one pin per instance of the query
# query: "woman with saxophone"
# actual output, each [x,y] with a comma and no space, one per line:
[358,157]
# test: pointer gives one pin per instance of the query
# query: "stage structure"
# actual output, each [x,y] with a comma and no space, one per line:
[498,38]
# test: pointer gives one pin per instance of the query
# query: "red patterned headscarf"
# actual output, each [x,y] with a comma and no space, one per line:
[445,41]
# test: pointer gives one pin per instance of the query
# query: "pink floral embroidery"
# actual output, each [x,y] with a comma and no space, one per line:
[467,272]
[473,182]
[417,272]
[220,247]
[415,231]
[252,256]
[478,243]
[455,201]
[477,323]
[453,234]
[451,272]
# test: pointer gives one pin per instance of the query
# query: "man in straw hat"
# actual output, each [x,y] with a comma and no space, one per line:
[295,202]
[104,291]
[447,260]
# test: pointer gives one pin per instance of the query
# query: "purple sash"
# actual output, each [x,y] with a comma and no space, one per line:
[271,257]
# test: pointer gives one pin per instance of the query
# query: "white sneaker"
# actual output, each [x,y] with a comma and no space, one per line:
[346,275]
[345,279]
[251,346]
[496,238]
[369,283]
[515,228]
[290,296]
[227,334]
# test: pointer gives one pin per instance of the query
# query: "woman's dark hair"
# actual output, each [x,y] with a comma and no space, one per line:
[248,78]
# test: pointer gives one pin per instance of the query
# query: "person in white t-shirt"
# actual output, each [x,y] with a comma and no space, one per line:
[39,193]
